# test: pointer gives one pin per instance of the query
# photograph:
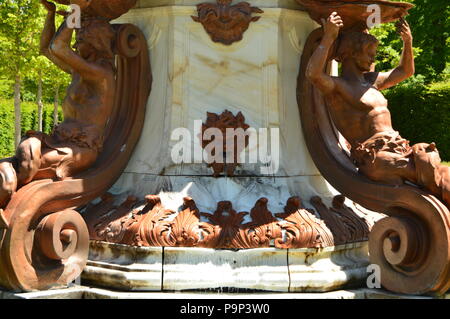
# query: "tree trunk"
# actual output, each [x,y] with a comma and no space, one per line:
[40,105]
[55,106]
[17,114]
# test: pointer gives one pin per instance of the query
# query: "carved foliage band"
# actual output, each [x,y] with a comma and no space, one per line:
[150,224]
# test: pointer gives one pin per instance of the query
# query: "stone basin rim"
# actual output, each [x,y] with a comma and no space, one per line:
[97,243]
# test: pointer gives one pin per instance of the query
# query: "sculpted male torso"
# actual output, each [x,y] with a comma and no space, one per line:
[75,144]
[360,111]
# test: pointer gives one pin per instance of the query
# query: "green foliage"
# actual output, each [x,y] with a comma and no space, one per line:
[422,112]
[430,26]
[29,122]
[21,23]
[6,88]
[19,34]
[430,22]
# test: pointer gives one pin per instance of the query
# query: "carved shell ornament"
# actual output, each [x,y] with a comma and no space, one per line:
[226,23]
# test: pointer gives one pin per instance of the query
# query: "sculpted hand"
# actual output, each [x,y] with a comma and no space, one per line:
[332,26]
[404,30]
[50,6]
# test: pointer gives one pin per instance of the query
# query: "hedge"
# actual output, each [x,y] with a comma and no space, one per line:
[29,122]
[422,114]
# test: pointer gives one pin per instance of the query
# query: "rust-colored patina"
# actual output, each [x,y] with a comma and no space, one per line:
[227,161]
[226,23]
[149,223]
[380,169]
[108,9]
[44,242]
[356,13]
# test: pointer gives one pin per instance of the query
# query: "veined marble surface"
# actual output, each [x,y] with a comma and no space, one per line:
[193,75]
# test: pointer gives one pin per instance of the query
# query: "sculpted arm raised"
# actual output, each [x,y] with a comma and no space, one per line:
[60,47]
[406,68]
[48,34]
[316,67]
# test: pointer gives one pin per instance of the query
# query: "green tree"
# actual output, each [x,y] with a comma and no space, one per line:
[430,25]
[430,22]
[19,35]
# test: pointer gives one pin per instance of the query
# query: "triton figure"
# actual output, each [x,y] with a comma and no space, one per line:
[75,144]
[360,111]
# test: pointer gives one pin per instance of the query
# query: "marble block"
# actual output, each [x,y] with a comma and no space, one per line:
[127,268]
[260,269]
[124,267]
[328,269]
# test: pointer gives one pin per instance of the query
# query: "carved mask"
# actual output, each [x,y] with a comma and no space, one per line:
[224,22]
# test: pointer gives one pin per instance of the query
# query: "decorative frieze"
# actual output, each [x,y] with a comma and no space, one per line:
[150,224]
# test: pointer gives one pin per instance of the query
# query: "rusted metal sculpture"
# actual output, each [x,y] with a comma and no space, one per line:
[226,23]
[149,223]
[355,13]
[44,242]
[412,246]
[222,141]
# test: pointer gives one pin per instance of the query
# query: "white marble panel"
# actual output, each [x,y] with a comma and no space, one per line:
[124,267]
[260,269]
[193,75]
[328,269]
[268,269]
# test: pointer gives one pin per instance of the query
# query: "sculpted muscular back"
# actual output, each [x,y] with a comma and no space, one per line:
[360,111]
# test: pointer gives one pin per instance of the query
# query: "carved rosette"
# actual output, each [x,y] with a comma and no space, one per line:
[150,224]
[226,23]
[222,122]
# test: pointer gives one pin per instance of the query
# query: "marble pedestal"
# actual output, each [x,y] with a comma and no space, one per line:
[193,75]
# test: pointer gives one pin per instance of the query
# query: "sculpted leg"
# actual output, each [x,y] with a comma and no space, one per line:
[8,181]
[28,156]
[66,160]
[444,171]
[431,174]
[37,161]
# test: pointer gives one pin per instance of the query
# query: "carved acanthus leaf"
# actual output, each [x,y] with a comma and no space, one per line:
[154,225]
[303,229]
